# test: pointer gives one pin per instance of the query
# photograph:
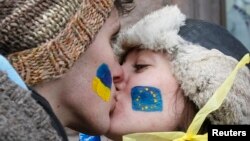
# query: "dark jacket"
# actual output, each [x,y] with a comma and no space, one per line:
[25,115]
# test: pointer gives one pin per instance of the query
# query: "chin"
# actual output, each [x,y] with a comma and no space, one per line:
[117,130]
[98,128]
[99,131]
[114,137]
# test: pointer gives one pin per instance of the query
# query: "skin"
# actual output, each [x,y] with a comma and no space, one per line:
[141,8]
[147,68]
[72,97]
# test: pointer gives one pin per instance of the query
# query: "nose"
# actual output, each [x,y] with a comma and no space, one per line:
[118,75]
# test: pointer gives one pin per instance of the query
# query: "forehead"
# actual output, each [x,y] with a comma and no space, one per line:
[137,53]
[130,54]
[114,14]
[141,8]
[111,25]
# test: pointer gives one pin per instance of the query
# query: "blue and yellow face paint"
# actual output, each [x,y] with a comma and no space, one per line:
[102,82]
[147,99]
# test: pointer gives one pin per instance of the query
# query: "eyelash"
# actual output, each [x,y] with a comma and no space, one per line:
[114,37]
[140,67]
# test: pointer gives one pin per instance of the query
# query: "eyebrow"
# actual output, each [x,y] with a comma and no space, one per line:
[125,55]
[152,56]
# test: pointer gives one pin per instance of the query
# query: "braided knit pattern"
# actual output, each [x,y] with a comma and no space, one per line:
[29,23]
[21,117]
[52,59]
[6,7]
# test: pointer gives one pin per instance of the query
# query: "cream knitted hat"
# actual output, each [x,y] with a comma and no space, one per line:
[200,70]
[44,38]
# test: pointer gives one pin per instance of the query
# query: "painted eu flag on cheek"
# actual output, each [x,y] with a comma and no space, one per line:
[147,99]
[102,82]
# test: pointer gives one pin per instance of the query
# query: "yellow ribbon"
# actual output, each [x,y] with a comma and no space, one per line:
[213,104]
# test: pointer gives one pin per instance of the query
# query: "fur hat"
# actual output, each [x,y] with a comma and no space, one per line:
[198,66]
[44,38]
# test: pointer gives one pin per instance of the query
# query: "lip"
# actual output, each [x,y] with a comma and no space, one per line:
[112,107]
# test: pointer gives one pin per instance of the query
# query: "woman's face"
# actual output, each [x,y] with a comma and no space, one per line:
[149,97]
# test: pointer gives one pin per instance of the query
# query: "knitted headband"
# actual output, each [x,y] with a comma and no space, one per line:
[48,36]
[199,70]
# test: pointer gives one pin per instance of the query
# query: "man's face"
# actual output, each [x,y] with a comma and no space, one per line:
[89,87]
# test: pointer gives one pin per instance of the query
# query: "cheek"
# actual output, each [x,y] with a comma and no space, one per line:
[102,82]
[142,80]
[146,99]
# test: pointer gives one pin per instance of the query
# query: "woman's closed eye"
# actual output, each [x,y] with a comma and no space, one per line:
[140,67]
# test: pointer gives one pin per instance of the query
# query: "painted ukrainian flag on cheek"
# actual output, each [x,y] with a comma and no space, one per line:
[102,82]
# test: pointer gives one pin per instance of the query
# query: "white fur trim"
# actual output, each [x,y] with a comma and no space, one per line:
[147,32]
